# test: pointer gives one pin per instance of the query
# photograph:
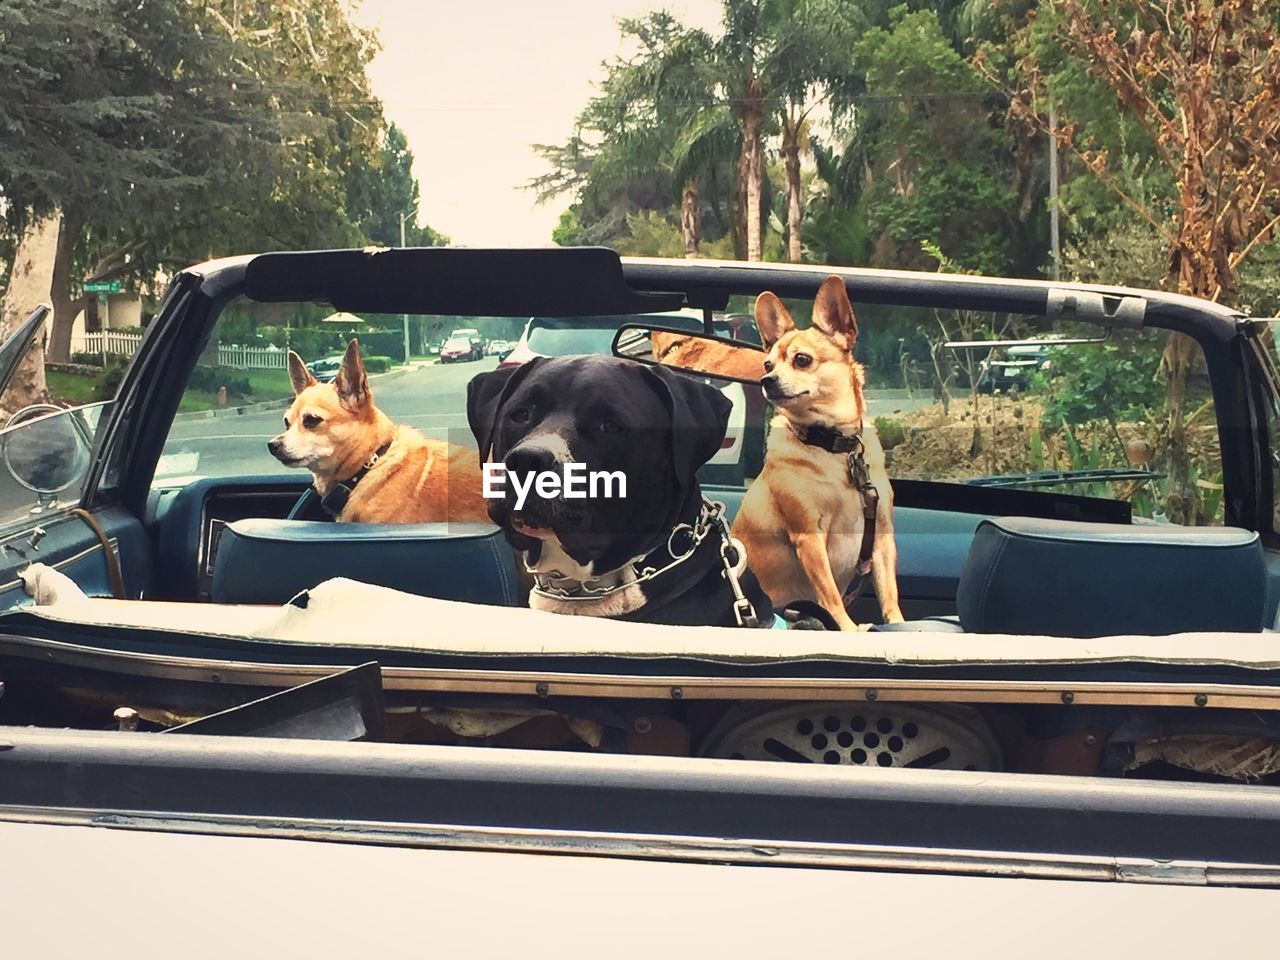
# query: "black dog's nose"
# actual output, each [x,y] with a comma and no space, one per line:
[770,383]
[274,446]
[529,459]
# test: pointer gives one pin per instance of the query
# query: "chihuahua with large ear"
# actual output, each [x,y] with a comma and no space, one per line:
[367,469]
[821,510]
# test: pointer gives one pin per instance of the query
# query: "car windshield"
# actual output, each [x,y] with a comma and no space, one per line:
[1086,419]
[562,337]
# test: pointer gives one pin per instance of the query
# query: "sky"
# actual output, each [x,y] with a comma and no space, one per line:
[473,83]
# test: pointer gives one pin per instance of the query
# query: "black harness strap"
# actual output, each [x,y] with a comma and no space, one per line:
[335,501]
[850,444]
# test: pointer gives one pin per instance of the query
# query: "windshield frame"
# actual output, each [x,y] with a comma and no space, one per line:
[152,387]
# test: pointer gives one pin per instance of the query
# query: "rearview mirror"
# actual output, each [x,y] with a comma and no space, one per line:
[694,352]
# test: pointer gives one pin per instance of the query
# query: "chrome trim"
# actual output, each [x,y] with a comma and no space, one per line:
[742,851]
[206,525]
[546,684]
[67,561]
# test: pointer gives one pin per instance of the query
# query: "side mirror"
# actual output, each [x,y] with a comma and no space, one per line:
[45,448]
[694,352]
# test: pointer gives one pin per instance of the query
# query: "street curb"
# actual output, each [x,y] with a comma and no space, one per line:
[280,404]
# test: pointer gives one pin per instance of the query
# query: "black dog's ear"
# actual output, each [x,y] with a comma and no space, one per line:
[486,393]
[699,418]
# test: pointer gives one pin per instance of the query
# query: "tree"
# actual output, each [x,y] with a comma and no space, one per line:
[380,188]
[140,102]
[171,133]
[810,63]
[30,276]
[651,138]
[745,51]
[939,161]
[1201,78]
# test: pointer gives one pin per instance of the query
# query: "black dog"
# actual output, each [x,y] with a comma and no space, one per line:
[657,555]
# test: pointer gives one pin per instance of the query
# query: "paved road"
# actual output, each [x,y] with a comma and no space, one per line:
[431,398]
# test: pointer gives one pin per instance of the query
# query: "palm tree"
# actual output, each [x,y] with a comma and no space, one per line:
[781,59]
[655,119]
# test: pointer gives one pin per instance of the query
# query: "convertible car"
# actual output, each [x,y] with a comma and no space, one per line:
[1087,685]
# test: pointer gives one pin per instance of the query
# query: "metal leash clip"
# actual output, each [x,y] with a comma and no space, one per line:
[743,612]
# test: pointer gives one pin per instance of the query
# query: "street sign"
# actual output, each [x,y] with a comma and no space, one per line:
[104,286]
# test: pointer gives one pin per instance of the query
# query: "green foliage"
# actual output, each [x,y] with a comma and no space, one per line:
[650,235]
[1103,381]
[376,364]
[210,379]
[379,187]
[112,374]
[384,343]
[891,432]
[170,133]
[940,167]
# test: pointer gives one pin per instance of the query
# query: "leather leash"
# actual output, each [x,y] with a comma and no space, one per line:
[114,574]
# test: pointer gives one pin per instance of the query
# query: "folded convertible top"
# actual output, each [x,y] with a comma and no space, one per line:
[346,614]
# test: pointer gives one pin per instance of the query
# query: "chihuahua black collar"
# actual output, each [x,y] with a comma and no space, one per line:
[335,501]
[828,438]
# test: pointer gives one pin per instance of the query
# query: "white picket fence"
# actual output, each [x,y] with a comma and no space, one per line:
[229,355]
[252,358]
[108,341]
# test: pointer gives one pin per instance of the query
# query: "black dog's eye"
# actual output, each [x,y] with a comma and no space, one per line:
[768,366]
[609,426]
[520,415]
[801,360]
[311,421]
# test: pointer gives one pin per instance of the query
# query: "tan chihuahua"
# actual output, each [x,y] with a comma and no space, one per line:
[804,520]
[694,352]
[366,469]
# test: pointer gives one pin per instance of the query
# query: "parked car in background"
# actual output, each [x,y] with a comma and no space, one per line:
[460,348]
[1011,368]
[472,335]
[325,370]
[499,348]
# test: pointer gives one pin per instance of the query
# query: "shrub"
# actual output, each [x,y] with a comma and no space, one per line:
[112,374]
[891,432]
[311,343]
[384,343]
[210,379]
[1102,381]
[377,364]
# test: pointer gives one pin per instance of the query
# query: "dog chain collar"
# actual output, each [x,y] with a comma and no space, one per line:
[710,516]
[335,501]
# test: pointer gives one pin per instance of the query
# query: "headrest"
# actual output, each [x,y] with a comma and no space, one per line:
[1065,579]
[269,561]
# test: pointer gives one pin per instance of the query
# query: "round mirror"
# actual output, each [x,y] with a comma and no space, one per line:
[45,449]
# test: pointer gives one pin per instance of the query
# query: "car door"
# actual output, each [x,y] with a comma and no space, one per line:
[47,454]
